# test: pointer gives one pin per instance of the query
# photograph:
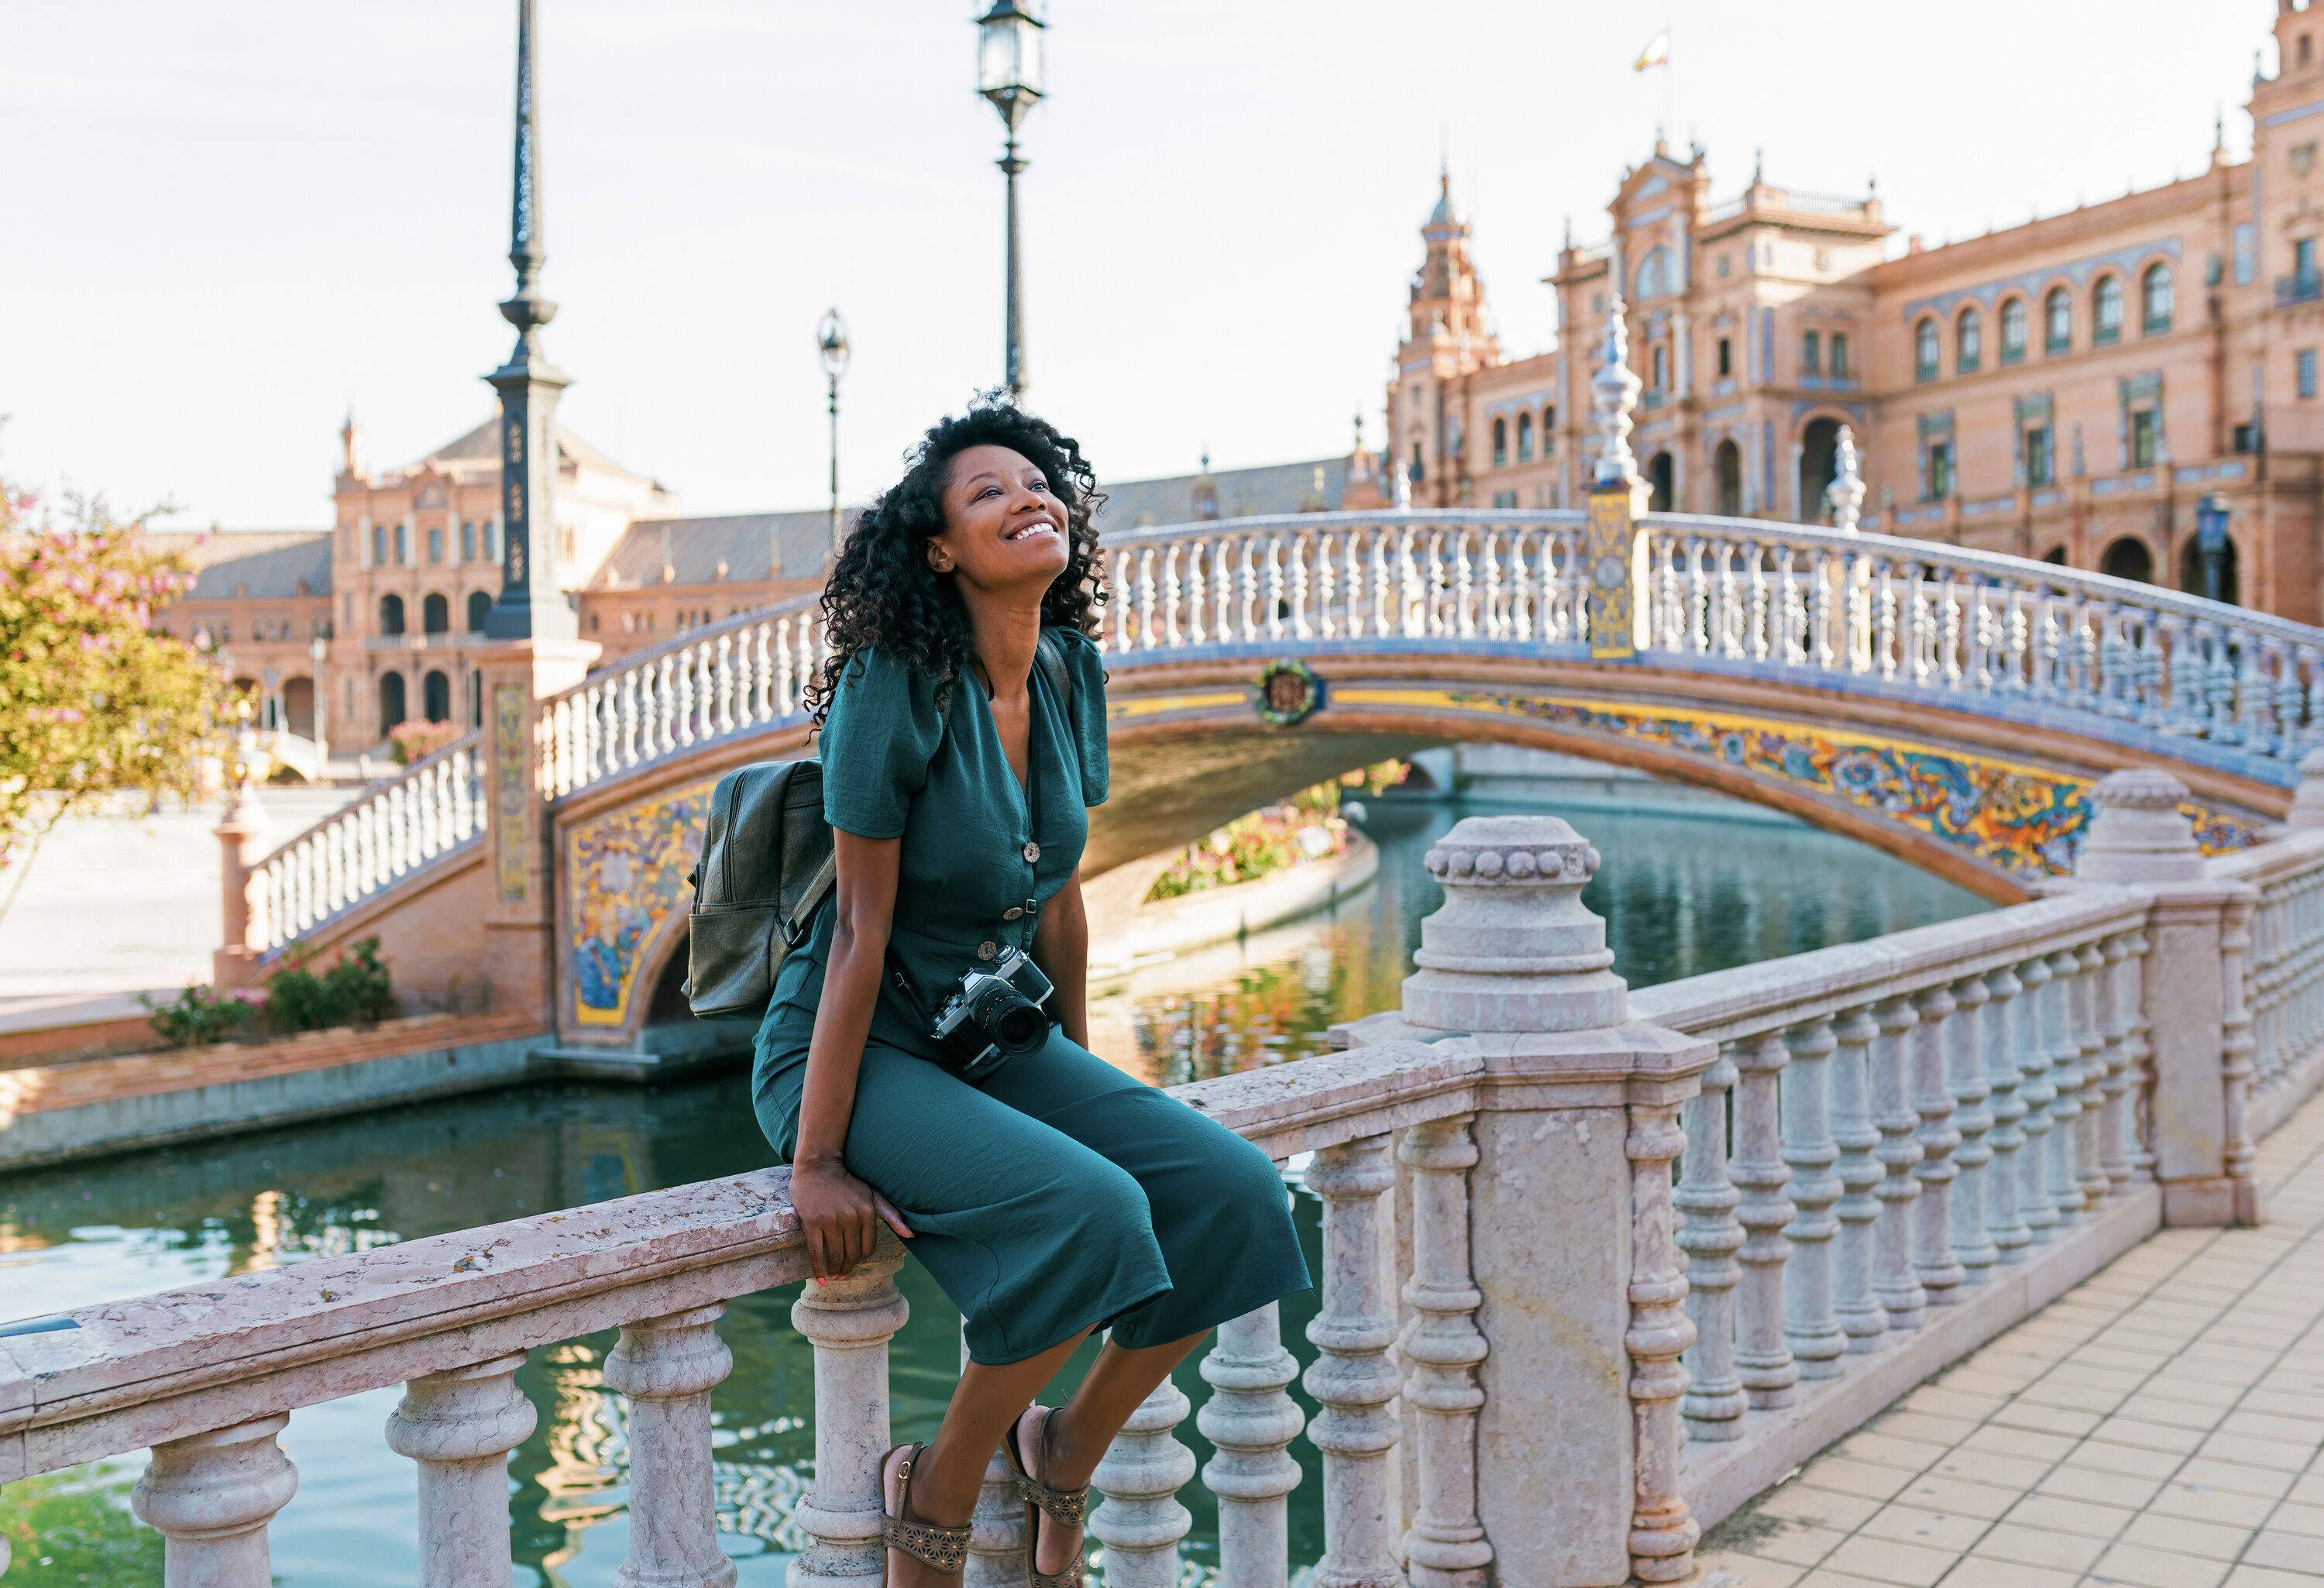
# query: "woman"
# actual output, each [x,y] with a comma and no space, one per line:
[963,712]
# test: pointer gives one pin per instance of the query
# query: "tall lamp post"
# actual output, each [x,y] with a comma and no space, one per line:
[831,346]
[1009,74]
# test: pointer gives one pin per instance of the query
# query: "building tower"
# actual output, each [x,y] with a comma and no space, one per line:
[531,605]
[1449,336]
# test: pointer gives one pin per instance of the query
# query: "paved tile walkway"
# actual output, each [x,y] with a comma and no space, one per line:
[2158,1426]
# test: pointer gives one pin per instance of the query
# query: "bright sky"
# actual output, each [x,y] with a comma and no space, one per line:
[228,221]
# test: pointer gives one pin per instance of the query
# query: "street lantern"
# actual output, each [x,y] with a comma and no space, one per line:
[1009,74]
[2211,543]
[831,347]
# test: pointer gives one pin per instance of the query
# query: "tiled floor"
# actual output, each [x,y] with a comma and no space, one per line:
[2159,1427]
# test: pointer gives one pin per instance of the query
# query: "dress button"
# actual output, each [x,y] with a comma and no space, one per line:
[987,949]
[1012,912]
[1032,851]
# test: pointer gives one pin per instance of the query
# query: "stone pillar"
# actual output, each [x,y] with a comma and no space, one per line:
[849,1322]
[2307,811]
[241,915]
[1579,1434]
[668,1367]
[211,1496]
[460,1426]
[2193,1000]
[1137,1520]
[520,921]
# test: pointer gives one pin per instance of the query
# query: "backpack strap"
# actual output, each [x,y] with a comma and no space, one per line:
[1051,658]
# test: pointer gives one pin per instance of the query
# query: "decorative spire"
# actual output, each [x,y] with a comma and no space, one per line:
[528,311]
[1613,394]
[1759,166]
[350,445]
[1358,420]
[1846,491]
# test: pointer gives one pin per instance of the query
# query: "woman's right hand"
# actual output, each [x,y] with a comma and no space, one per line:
[840,1216]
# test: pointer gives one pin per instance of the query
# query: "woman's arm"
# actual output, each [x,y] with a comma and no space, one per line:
[1061,949]
[837,1210]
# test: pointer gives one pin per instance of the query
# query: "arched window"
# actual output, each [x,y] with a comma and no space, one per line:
[2156,295]
[467,542]
[1968,342]
[435,544]
[1525,437]
[1925,350]
[403,544]
[435,697]
[391,614]
[1653,274]
[2057,321]
[479,604]
[1500,443]
[2128,559]
[378,544]
[2106,311]
[1662,368]
[390,701]
[2013,331]
[435,614]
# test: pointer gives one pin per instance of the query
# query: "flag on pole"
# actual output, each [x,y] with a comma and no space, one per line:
[1655,53]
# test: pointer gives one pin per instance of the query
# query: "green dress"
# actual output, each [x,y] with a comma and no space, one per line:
[1057,1193]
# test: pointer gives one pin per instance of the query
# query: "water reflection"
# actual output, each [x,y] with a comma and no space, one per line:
[1681,895]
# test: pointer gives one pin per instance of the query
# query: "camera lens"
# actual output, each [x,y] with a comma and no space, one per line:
[1008,1020]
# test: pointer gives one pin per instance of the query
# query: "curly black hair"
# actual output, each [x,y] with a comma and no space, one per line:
[882,592]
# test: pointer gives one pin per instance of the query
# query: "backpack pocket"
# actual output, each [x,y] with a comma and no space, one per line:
[729,966]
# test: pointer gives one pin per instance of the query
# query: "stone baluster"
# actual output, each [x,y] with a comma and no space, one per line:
[2219,685]
[680,663]
[2035,1091]
[668,1367]
[728,684]
[1810,1327]
[1137,1518]
[1762,1359]
[2254,700]
[1662,1533]
[997,1534]
[2237,1155]
[1715,1401]
[1354,1380]
[1326,552]
[2138,1117]
[210,1496]
[1198,622]
[1936,1268]
[1254,616]
[2061,1183]
[1148,634]
[1222,590]
[460,1425]
[1463,615]
[2117,1127]
[1252,1421]
[2288,697]
[2005,1217]
[1972,1239]
[849,1322]
[1861,1316]
[1893,1280]
[2098,1067]
[1446,1546]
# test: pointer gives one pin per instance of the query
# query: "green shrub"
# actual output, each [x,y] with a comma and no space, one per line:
[355,991]
[204,1014]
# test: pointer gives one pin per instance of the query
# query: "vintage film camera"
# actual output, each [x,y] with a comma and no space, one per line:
[994,1015]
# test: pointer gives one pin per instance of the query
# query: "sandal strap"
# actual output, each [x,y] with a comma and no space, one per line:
[1068,1506]
[1071,1577]
[946,1548]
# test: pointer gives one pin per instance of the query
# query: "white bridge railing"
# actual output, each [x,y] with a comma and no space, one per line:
[1886,1154]
[433,809]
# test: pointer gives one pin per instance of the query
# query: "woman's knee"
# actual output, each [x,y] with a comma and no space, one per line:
[1106,1201]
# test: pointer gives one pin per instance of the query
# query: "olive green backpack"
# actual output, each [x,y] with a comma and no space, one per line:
[766,864]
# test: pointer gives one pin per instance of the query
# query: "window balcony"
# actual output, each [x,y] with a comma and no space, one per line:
[2303,286]
[1924,372]
[2106,336]
[2010,355]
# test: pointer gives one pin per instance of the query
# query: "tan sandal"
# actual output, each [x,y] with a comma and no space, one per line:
[1068,1507]
[931,1543]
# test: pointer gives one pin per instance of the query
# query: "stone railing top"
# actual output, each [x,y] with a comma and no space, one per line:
[2285,855]
[1756,999]
[467,743]
[632,661]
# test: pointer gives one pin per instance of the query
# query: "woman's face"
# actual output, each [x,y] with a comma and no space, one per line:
[1004,528]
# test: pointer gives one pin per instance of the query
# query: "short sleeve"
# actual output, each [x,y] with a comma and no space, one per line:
[877,741]
[1085,670]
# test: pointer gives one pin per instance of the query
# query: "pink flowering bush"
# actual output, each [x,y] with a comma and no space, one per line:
[94,699]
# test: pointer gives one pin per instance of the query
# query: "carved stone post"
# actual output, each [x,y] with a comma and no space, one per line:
[460,1426]
[1353,1378]
[1252,1421]
[2191,1029]
[1934,1264]
[1579,1434]
[1894,1281]
[1446,1546]
[668,1367]
[849,1322]
[241,834]
[1137,1518]
[1861,1316]
[1972,1241]
[2003,1219]
[210,1497]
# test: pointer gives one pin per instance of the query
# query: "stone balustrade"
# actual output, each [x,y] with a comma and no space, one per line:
[1595,1267]
[434,809]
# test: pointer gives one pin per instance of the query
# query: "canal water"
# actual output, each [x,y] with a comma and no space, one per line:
[1682,894]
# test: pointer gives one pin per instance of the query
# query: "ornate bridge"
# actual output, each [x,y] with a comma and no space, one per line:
[1954,708]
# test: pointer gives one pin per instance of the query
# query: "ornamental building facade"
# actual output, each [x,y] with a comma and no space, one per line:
[2070,389]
